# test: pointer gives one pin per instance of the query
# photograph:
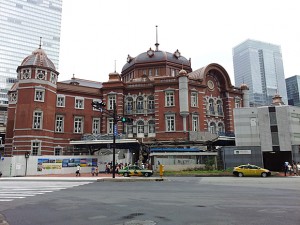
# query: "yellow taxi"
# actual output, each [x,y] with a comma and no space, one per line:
[135,171]
[250,170]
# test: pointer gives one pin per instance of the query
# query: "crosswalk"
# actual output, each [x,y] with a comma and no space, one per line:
[10,191]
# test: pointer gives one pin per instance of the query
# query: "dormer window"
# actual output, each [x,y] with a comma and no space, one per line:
[53,78]
[41,74]
[177,54]
[150,52]
[25,74]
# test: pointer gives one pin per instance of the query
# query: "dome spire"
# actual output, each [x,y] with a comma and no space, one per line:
[40,46]
[156,44]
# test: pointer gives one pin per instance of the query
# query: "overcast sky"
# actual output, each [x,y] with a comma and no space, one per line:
[97,33]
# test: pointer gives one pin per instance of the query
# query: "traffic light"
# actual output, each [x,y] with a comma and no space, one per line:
[27,154]
[98,105]
[126,120]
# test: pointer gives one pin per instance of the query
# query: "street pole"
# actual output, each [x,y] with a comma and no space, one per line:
[114,139]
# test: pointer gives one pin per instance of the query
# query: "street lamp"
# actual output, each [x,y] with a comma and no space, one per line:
[100,105]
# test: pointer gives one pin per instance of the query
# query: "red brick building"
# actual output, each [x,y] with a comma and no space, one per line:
[171,105]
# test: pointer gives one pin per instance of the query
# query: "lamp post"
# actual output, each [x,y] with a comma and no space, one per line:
[116,118]
[27,154]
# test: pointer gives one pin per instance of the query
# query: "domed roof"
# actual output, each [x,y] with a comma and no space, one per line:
[38,58]
[156,56]
[244,86]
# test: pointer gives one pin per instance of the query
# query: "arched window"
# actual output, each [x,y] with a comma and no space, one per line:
[221,130]
[219,107]
[151,104]
[140,104]
[211,107]
[151,127]
[212,127]
[140,127]
[129,105]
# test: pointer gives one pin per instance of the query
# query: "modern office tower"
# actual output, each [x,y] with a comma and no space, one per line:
[260,66]
[293,87]
[22,23]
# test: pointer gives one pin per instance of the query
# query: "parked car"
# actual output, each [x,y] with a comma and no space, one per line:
[250,170]
[135,171]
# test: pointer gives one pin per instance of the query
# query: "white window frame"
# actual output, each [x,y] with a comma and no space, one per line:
[170,123]
[79,103]
[140,127]
[169,98]
[96,126]
[36,147]
[39,95]
[110,126]
[60,103]
[40,74]
[111,100]
[37,120]
[59,123]
[78,125]
[151,127]
[59,150]
[194,99]
[195,123]
[53,78]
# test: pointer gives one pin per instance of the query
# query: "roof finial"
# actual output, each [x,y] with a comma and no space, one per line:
[40,43]
[115,66]
[156,44]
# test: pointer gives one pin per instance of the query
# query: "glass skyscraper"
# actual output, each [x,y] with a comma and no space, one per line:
[22,23]
[260,66]
[293,90]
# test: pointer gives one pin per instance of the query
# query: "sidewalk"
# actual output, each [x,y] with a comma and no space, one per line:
[84,177]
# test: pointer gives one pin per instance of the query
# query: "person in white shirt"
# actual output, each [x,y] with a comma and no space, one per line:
[78,171]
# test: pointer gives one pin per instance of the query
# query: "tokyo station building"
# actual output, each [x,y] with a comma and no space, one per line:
[171,106]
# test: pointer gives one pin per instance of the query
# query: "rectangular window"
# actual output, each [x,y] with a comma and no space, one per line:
[169,98]
[111,102]
[170,123]
[78,125]
[39,95]
[60,101]
[36,148]
[156,72]
[59,124]
[194,99]
[37,120]
[172,72]
[195,123]
[150,72]
[110,127]
[79,103]
[96,126]
[57,151]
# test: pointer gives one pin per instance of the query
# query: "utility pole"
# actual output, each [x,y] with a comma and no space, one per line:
[101,106]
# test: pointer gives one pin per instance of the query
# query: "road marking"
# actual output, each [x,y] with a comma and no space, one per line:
[10,192]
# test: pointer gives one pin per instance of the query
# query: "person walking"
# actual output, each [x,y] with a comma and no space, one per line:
[78,171]
[96,171]
[286,168]
[93,171]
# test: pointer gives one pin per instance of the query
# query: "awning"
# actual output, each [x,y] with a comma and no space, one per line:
[175,150]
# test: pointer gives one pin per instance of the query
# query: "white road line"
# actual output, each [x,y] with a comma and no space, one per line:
[10,193]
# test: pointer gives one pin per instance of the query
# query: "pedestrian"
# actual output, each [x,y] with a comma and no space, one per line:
[0,174]
[294,168]
[286,168]
[96,171]
[93,171]
[78,171]
[298,168]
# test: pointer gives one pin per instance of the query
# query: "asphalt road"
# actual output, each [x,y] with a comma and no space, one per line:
[175,201]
